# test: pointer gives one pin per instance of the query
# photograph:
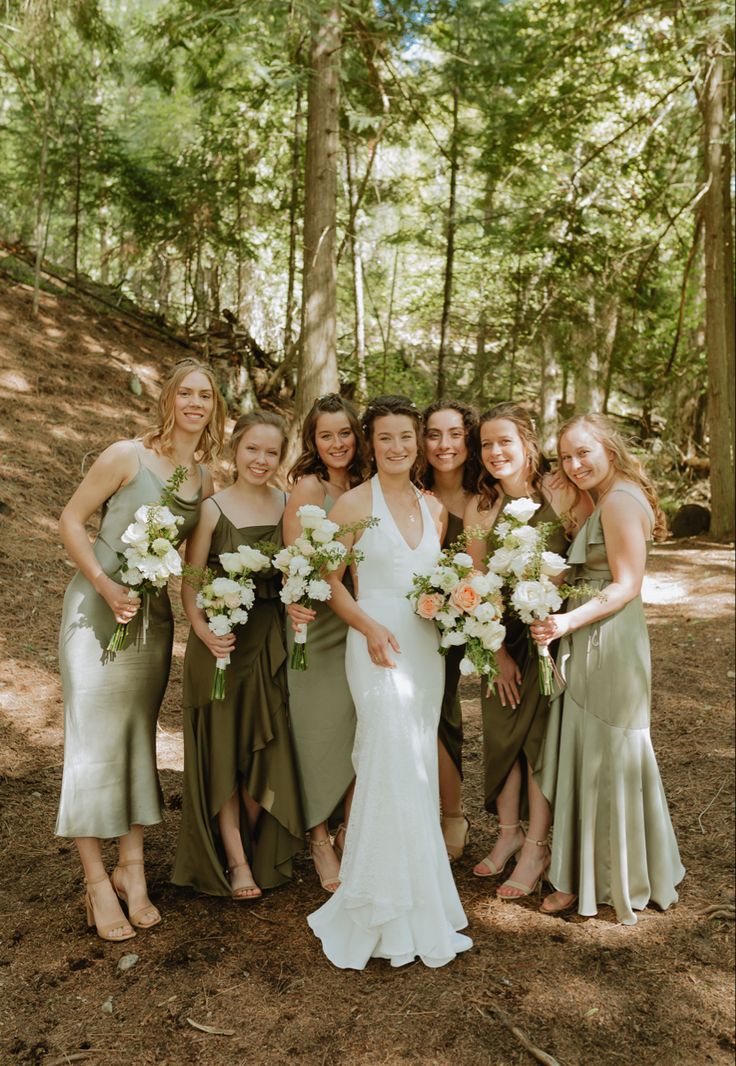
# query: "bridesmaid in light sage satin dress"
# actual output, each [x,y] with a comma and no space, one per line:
[613,838]
[110,785]
[451,475]
[321,707]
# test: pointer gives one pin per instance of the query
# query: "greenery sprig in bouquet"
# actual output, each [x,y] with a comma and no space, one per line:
[151,557]
[467,607]
[304,564]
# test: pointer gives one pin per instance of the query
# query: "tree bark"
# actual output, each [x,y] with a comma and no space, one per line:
[550,392]
[718,291]
[40,195]
[358,295]
[450,252]
[318,362]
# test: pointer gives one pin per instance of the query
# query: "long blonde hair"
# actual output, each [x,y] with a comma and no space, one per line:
[160,436]
[627,464]
[488,487]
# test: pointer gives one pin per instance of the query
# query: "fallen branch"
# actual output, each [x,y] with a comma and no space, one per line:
[718,910]
[211,1029]
[75,1056]
[494,1011]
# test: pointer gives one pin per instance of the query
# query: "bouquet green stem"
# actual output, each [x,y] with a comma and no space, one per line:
[218,681]
[299,659]
[546,670]
[117,640]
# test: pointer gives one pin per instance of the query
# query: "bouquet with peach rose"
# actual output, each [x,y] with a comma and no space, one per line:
[466,606]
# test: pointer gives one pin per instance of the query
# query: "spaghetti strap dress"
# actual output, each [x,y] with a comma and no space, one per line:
[397,899]
[111,702]
[613,839]
[244,737]
[323,713]
[451,715]
[510,732]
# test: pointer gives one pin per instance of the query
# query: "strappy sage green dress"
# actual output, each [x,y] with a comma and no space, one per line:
[451,716]
[613,838]
[511,732]
[323,713]
[243,738]
[111,703]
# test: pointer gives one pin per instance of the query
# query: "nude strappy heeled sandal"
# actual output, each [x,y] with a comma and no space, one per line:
[136,919]
[525,890]
[104,931]
[493,870]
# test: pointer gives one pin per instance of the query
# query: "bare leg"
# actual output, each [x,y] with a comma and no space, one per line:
[106,905]
[326,862]
[451,800]
[241,877]
[129,879]
[511,836]
[534,858]
[252,809]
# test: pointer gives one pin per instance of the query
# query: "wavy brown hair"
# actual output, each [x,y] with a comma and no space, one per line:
[383,406]
[259,417]
[309,461]
[160,436]
[487,485]
[470,421]
[627,464]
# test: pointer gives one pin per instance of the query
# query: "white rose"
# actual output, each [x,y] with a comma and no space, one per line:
[445,578]
[303,546]
[452,638]
[553,564]
[526,536]
[310,516]
[141,515]
[299,566]
[500,561]
[462,559]
[131,576]
[231,562]
[220,625]
[520,561]
[535,599]
[485,612]
[325,533]
[172,561]
[238,617]
[502,530]
[136,535]
[521,509]
[160,546]
[253,559]
[282,560]
[493,635]
[484,584]
[319,590]
[466,667]
[447,617]
[223,586]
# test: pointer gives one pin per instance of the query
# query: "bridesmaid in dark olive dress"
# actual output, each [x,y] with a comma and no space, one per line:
[110,786]
[514,711]
[451,476]
[241,818]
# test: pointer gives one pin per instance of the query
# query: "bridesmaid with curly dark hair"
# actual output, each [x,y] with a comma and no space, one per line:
[451,476]
[322,712]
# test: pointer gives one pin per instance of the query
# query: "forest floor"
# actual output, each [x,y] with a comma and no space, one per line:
[583,990]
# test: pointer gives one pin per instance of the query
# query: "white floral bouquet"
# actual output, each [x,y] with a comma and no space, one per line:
[304,564]
[151,557]
[466,606]
[526,568]
[227,600]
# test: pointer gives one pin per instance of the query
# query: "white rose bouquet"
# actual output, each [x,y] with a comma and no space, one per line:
[526,568]
[227,600]
[466,606]
[304,564]
[151,557]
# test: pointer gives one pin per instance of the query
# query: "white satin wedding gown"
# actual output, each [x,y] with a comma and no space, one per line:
[397,899]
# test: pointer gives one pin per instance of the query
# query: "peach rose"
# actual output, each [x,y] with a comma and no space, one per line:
[429,604]
[464,596]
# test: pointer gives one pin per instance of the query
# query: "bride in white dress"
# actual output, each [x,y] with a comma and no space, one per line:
[396,899]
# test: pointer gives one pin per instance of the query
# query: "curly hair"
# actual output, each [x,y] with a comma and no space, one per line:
[622,459]
[259,417]
[160,436]
[309,461]
[381,407]
[470,421]
[487,485]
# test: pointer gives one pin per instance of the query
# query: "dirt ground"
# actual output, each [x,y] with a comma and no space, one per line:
[581,990]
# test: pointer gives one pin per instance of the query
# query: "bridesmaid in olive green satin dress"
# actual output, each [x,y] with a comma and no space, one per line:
[321,707]
[451,474]
[514,711]
[241,818]
[110,785]
[613,842]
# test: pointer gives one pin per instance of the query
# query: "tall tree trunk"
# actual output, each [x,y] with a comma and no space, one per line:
[77,195]
[40,196]
[296,155]
[718,275]
[358,295]
[550,392]
[318,362]
[450,250]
